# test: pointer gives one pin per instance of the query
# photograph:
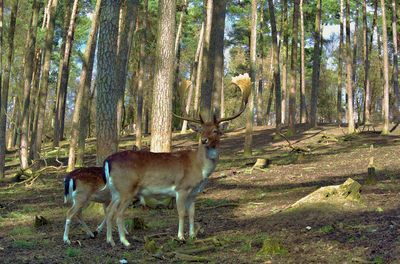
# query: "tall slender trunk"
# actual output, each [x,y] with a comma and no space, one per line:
[128,15]
[395,63]
[141,79]
[83,89]
[199,73]
[354,70]
[385,106]
[28,71]
[62,84]
[316,66]
[349,75]
[285,61]
[260,89]
[195,71]
[248,140]
[5,79]
[340,68]
[12,137]
[163,78]
[293,69]
[277,74]
[366,118]
[303,105]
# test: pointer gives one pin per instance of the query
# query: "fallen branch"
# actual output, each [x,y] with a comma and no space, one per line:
[220,205]
[32,176]
[294,149]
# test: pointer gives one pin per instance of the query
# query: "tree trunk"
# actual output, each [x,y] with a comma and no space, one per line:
[62,84]
[285,61]
[5,80]
[106,81]
[395,63]
[340,68]
[253,72]
[28,72]
[12,137]
[141,79]
[127,18]
[366,118]
[199,73]
[293,69]
[163,79]
[195,71]
[385,106]
[217,51]
[303,106]
[83,89]
[354,71]
[207,65]
[316,66]
[259,112]
[277,74]
[350,117]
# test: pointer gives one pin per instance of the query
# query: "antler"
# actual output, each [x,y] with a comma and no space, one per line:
[185,84]
[190,119]
[244,83]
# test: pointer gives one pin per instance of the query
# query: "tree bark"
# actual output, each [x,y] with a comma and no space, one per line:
[395,63]
[340,68]
[366,118]
[141,79]
[28,72]
[285,61]
[316,67]
[385,106]
[5,80]
[217,48]
[293,69]
[248,140]
[83,89]
[259,112]
[277,74]
[354,71]
[350,117]
[303,105]
[163,79]
[62,84]
[106,81]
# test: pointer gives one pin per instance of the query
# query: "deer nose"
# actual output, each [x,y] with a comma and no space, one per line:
[204,140]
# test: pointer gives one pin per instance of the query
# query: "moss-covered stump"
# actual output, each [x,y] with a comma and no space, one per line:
[347,192]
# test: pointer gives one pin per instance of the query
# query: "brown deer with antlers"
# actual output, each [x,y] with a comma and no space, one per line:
[182,174]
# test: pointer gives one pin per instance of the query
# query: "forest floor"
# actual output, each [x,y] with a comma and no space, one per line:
[244,217]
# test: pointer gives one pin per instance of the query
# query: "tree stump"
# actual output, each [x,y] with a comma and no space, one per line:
[348,191]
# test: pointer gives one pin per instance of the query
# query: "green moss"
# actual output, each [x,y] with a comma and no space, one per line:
[271,247]
[73,252]
[25,244]
[22,231]
[327,229]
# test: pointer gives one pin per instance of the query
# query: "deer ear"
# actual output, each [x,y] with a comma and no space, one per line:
[196,128]
[223,126]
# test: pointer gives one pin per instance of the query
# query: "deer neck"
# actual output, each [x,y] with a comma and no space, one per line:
[208,159]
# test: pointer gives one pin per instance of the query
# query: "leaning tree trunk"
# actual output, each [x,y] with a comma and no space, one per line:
[303,106]
[141,79]
[128,15]
[106,81]
[248,140]
[5,81]
[195,71]
[316,66]
[385,106]
[277,74]
[28,71]
[163,79]
[293,69]
[350,118]
[83,89]
[62,84]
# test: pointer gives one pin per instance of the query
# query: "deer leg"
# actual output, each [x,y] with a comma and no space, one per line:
[109,218]
[77,205]
[101,225]
[180,206]
[124,203]
[191,220]
[85,227]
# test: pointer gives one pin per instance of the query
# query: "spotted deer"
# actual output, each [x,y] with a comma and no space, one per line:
[181,174]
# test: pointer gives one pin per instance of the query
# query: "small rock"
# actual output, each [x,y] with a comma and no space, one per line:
[308,228]
[123,261]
